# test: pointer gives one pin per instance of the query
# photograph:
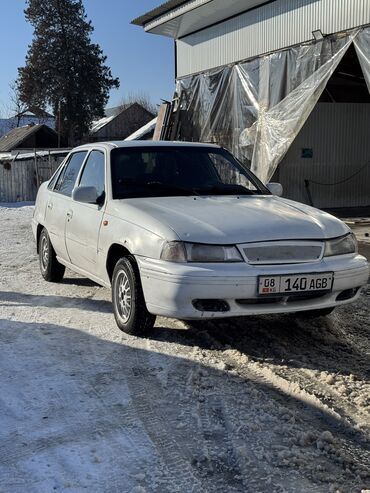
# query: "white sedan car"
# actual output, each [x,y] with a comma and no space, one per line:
[185,231]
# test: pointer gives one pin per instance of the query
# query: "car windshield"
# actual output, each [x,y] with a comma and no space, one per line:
[179,171]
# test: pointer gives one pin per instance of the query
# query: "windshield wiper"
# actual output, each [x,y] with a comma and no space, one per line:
[224,189]
[169,187]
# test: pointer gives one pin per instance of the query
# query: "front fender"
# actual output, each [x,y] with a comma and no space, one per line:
[136,239]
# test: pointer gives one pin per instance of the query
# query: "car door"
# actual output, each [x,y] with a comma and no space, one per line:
[84,220]
[58,202]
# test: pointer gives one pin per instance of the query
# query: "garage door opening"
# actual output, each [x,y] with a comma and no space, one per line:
[328,164]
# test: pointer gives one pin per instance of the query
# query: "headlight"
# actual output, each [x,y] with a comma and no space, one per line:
[341,246]
[177,251]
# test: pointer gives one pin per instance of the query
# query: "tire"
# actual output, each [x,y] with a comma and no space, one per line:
[51,269]
[128,300]
[323,312]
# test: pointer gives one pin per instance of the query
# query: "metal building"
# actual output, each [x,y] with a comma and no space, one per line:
[284,84]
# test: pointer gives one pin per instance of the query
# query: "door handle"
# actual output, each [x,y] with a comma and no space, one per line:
[69,215]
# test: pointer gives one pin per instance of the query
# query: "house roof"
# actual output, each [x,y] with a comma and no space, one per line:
[98,124]
[143,131]
[15,137]
[34,113]
[110,115]
[178,18]
[158,11]
[115,110]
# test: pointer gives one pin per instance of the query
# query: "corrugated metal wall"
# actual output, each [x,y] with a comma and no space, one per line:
[19,180]
[272,27]
[338,135]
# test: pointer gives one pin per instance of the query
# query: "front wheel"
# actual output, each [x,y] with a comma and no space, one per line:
[129,305]
[51,269]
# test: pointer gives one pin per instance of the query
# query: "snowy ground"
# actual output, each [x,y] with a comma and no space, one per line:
[266,404]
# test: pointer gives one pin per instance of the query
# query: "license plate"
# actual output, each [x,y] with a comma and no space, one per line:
[295,283]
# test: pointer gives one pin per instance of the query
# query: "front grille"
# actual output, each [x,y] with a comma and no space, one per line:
[278,299]
[306,296]
[283,252]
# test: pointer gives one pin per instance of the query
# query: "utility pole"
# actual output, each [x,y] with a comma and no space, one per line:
[59,120]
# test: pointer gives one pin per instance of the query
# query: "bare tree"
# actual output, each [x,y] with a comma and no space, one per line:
[17,106]
[141,98]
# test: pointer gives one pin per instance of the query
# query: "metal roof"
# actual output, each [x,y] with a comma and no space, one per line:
[158,11]
[178,18]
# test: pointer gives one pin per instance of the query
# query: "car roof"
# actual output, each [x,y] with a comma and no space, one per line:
[143,144]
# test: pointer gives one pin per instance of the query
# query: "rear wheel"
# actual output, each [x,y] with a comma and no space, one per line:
[51,269]
[129,305]
[323,312]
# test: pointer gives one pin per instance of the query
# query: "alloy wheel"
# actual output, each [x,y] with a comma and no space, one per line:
[123,291]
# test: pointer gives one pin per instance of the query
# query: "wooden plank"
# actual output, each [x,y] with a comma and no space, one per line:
[160,121]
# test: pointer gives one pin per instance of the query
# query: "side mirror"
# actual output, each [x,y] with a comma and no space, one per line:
[275,188]
[87,195]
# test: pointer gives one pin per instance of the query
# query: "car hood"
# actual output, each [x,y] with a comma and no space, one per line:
[231,220]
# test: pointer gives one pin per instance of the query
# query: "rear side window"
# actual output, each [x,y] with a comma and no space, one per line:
[54,178]
[67,178]
[93,174]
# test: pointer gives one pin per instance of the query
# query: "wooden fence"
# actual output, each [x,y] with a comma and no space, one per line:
[21,176]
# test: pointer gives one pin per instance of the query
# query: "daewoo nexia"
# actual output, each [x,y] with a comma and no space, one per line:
[185,231]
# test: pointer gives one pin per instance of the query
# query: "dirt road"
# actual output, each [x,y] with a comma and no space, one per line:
[265,404]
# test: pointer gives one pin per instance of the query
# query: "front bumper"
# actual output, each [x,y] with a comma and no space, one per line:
[170,288]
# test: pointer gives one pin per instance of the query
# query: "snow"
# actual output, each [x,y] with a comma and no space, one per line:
[264,404]
[7,124]
[98,124]
[20,155]
[15,205]
[149,127]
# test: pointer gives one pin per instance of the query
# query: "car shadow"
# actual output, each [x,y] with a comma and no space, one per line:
[283,340]
[54,301]
[122,415]
[79,281]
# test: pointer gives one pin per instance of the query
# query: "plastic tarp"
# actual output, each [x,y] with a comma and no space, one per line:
[362,44]
[257,108]
[218,105]
[291,84]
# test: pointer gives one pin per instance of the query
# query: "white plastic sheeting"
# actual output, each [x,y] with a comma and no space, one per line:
[218,105]
[362,44]
[257,108]
[300,74]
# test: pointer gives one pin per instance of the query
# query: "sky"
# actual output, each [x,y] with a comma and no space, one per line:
[143,62]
